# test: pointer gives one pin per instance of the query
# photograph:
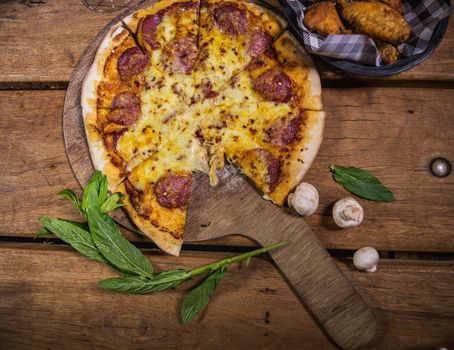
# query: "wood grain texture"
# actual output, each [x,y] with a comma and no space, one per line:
[392,132]
[42,41]
[49,300]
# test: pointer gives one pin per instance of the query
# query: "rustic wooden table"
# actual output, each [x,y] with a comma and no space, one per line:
[393,126]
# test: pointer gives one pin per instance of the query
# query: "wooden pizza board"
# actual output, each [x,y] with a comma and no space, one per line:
[235,207]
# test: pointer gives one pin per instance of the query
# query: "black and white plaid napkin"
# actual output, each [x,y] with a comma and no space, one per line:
[423,16]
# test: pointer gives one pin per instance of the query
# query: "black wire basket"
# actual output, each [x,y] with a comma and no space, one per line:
[400,66]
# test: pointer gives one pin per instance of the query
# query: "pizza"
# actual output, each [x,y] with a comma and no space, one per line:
[195,85]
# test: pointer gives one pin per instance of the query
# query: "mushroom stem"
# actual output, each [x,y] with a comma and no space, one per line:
[347,212]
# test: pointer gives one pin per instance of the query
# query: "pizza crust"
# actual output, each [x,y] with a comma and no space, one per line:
[163,240]
[99,155]
[300,162]
[299,66]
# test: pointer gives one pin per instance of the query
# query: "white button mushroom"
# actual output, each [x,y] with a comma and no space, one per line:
[366,259]
[347,212]
[304,200]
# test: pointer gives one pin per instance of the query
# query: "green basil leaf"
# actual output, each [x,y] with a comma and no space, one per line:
[94,191]
[102,190]
[75,234]
[112,202]
[361,183]
[72,197]
[198,298]
[143,285]
[114,247]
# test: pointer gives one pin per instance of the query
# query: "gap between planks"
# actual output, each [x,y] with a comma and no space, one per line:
[212,248]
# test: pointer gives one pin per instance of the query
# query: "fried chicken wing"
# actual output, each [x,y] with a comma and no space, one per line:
[388,52]
[343,3]
[395,4]
[323,18]
[377,20]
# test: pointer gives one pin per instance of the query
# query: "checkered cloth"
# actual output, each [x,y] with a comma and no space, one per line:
[423,16]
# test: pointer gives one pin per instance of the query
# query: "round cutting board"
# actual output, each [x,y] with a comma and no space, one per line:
[73,125]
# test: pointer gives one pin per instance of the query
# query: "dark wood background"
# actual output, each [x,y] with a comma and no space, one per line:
[392,126]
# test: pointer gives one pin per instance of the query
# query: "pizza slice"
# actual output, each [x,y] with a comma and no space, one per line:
[280,153]
[231,34]
[157,190]
[158,208]
[110,99]
[268,119]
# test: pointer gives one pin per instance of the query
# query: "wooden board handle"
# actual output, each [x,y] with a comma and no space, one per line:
[320,284]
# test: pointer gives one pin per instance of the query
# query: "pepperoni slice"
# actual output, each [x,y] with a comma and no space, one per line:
[124,116]
[284,130]
[231,19]
[274,85]
[131,62]
[180,55]
[125,100]
[125,109]
[273,166]
[172,191]
[148,29]
[260,43]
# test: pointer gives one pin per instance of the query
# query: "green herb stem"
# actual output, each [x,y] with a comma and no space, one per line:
[218,264]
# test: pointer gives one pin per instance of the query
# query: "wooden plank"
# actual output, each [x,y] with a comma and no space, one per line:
[42,41]
[393,132]
[49,300]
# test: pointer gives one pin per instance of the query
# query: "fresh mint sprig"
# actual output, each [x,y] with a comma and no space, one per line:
[100,239]
[74,233]
[139,285]
[198,298]
[72,197]
[114,247]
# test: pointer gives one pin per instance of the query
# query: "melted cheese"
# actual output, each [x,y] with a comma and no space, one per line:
[222,55]
[178,152]
[164,102]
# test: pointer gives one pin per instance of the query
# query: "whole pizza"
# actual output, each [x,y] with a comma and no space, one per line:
[193,85]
